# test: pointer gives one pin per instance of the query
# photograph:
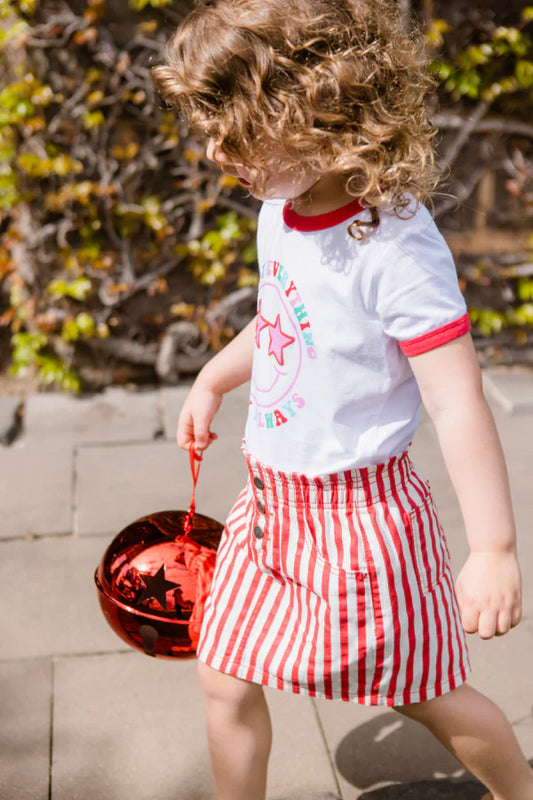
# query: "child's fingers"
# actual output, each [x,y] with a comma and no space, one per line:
[516,615]
[185,432]
[202,435]
[202,442]
[470,619]
[504,622]
[488,621]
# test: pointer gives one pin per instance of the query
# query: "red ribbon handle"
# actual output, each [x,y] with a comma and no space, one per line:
[195,470]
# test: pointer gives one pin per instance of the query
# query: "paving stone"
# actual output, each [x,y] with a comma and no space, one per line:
[512,690]
[35,488]
[25,730]
[299,763]
[117,484]
[140,732]
[48,587]
[229,421]
[510,387]
[113,415]
[372,747]
[171,400]
[9,415]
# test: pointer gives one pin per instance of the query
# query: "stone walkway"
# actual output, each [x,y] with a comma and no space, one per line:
[85,718]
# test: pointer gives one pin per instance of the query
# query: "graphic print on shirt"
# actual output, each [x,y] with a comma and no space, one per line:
[285,341]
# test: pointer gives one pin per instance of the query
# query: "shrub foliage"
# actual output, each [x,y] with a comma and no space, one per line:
[116,232]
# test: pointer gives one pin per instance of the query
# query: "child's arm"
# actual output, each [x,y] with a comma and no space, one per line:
[225,371]
[489,585]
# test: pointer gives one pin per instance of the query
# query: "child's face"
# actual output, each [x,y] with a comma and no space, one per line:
[287,180]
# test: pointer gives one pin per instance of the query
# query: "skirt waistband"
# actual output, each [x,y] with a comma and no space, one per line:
[359,485]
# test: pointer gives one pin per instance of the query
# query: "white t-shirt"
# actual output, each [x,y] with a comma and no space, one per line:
[331,384]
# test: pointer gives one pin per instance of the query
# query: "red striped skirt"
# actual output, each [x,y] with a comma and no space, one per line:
[337,586]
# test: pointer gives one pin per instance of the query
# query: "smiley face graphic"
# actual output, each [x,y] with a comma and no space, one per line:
[277,337]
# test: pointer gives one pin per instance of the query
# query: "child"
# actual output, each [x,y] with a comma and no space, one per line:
[333,577]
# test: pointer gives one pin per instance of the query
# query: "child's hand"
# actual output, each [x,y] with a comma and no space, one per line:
[195,418]
[489,591]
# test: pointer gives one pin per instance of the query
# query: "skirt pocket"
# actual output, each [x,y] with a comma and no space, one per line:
[333,539]
[429,543]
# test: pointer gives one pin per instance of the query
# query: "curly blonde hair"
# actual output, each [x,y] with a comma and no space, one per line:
[338,84]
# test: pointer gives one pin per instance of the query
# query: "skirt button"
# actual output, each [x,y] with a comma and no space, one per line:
[258,532]
[259,483]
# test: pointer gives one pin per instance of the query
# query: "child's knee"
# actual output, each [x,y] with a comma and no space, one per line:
[218,686]
[425,710]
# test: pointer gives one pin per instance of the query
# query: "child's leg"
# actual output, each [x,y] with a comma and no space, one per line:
[477,733]
[239,734]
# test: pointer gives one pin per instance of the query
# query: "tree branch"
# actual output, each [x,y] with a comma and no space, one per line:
[468,127]
[450,121]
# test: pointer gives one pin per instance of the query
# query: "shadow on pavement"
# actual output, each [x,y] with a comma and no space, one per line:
[391,749]
[428,790]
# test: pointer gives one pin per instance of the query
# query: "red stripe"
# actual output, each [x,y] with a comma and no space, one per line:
[237,582]
[325,591]
[344,631]
[440,605]
[452,628]
[379,628]
[301,590]
[295,589]
[377,634]
[239,633]
[310,617]
[311,670]
[362,622]
[300,594]
[265,474]
[442,335]
[459,634]
[426,634]
[250,603]
[397,657]
[406,586]
[442,609]
[277,531]
[224,554]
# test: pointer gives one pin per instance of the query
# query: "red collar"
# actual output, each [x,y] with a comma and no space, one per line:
[318,222]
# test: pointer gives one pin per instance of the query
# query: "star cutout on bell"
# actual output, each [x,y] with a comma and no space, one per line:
[278,341]
[157,587]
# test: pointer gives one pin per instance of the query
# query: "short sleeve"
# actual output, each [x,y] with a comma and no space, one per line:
[417,294]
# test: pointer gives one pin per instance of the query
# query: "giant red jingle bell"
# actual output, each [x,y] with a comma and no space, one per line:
[155,576]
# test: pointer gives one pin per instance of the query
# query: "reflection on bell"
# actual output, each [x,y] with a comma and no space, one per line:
[154,579]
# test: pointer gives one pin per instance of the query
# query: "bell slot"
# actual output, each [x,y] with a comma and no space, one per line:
[149,637]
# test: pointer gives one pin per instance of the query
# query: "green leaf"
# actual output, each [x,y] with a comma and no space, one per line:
[70,331]
[78,289]
[26,347]
[524,74]
[85,323]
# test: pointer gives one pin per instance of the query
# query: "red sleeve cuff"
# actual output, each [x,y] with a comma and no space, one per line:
[428,341]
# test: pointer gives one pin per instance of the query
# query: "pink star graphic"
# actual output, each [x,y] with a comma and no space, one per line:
[278,341]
